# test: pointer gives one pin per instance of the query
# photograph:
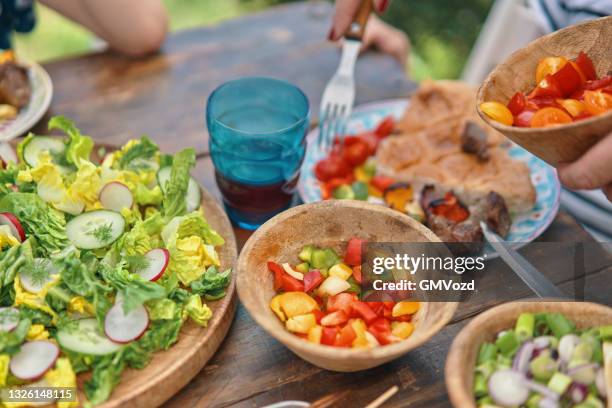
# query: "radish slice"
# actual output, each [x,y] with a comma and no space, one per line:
[34,359]
[36,284]
[7,218]
[116,196]
[158,259]
[123,328]
[7,153]
[9,318]
[507,388]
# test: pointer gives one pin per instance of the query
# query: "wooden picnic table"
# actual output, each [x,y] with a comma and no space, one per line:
[115,98]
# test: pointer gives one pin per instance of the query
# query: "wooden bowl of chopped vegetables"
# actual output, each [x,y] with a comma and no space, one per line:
[534,352]
[297,274]
[554,97]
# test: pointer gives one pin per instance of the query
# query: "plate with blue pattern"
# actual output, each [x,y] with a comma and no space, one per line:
[525,227]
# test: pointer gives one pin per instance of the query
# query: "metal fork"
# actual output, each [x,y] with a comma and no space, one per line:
[339,94]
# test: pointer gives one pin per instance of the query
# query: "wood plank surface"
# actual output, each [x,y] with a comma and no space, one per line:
[114,99]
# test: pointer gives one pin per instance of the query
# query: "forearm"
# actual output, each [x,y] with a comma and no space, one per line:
[133,27]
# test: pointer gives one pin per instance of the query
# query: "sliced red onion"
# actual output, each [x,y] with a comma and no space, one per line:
[523,357]
[578,392]
[583,373]
[507,388]
[567,345]
[548,403]
[541,389]
[600,382]
[541,342]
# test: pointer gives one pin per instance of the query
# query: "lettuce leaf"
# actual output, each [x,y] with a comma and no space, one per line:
[143,149]
[106,374]
[79,146]
[39,220]
[212,283]
[174,203]
[199,312]
[195,224]
[10,341]
[134,289]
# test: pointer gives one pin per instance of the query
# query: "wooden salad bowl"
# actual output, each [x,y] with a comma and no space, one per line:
[461,360]
[557,144]
[331,224]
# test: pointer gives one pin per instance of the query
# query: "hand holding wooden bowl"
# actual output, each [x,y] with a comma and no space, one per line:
[563,143]
[331,224]
[459,372]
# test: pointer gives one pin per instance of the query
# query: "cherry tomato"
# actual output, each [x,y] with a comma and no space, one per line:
[597,102]
[369,138]
[517,103]
[523,119]
[568,79]
[331,167]
[586,67]
[497,112]
[572,106]
[550,117]
[356,153]
[385,127]
[549,66]
[382,183]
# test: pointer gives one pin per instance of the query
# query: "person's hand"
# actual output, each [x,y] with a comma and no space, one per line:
[592,170]
[378,33]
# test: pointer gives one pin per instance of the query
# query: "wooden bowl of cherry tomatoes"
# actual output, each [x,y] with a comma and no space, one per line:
[554,97]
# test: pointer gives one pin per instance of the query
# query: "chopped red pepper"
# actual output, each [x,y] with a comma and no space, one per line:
[381,183]
[328,337]
[517,103]
[290,284]
[341,301]
[278,273]
[547,88]
[586,66]
[312,279]
[598,83]
[385,128]
[568,79]
[334,318]
[450,208]
[357,273]
[353,252]
[318,315]
[363,310]
[381,329]
[346,336]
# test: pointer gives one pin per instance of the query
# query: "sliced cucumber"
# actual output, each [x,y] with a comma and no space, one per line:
[194,197]
[39,144]
[86,338]
[95,229]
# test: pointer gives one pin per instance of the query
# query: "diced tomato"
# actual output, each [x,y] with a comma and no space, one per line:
[385,127]
[334,318]
[517,103]
[585,64]
[318,315]
[329,336]
[332,167]
[353,252]
[338,181]
[346,336]
[598,83]
[597,102]
[382,183]
[523,119]
[278,273]
[550,117]
[364,311]
[547,88]
[568,79]
[357,273]
[356,153]
[341,301]
[381,329]
[312,279]
[290,284]
[368,138]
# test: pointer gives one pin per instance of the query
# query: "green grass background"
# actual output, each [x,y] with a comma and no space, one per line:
[442,31]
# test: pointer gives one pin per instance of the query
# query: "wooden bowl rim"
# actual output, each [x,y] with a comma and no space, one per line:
[505,128]
[331,352]
[455,367]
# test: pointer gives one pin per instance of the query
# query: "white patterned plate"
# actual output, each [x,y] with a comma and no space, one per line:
[29,115]
[525,227]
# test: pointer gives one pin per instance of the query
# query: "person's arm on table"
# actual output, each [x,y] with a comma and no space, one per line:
[592,170]
[134,27]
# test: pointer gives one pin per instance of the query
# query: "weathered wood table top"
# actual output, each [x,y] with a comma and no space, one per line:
[115,98]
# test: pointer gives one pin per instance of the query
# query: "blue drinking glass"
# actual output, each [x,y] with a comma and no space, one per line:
[257,129]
